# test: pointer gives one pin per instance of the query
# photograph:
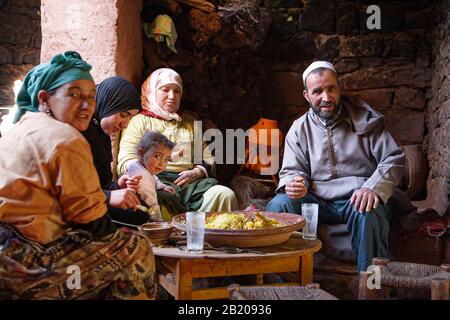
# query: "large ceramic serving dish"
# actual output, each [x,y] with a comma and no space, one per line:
[249,238]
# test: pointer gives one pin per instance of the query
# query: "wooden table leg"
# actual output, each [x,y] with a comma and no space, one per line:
[259,279]
[306,269]
[364,292]
[183,280]
[440,289]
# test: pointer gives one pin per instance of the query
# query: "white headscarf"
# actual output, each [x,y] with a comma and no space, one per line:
[316,65]
[156,80]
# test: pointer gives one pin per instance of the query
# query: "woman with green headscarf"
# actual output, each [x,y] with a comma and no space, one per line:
[56,238]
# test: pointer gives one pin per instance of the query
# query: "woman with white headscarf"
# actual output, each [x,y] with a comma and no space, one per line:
[196,190]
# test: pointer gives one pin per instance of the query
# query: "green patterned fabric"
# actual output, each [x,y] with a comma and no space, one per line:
[186,198]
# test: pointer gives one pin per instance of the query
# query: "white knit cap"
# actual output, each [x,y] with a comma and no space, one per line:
[316,65]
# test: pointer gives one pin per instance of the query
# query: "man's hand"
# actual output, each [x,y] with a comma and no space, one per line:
[129,182]
[364,200]
[123,199]
[295,188]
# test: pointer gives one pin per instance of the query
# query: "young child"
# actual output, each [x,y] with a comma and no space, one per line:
[154,151]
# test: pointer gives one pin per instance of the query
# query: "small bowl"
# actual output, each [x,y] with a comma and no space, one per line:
[156,232]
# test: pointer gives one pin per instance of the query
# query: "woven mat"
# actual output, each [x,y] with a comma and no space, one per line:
[411,275]
[285,293]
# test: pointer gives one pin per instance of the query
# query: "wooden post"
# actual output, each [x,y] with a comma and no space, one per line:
[445,267]
[183,280]
[259,279]
[364,293]
[440,289]
[306,269]
[385,292]
[380,261]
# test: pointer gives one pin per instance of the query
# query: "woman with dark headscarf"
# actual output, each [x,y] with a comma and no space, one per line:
[117,100]
[56,238]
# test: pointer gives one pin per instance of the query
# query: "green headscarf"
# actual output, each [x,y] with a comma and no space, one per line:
[62,69]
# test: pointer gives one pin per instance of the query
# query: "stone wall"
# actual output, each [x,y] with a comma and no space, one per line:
[247,61]
[235,67]
[437,142]
[20,43]
[389,68]
[247,68]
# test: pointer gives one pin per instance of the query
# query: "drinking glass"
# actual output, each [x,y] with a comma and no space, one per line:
[195,231]
[310,211]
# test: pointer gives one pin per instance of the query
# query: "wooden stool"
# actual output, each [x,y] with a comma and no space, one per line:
[308,292]
[406,275]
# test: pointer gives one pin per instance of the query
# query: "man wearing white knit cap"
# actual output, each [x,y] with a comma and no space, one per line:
[316,65]
[340,156]
[317,69]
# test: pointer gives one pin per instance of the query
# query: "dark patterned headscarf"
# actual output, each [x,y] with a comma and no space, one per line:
[114,95]
[62,69]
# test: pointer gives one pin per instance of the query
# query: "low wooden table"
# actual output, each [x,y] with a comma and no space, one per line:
[176,268]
